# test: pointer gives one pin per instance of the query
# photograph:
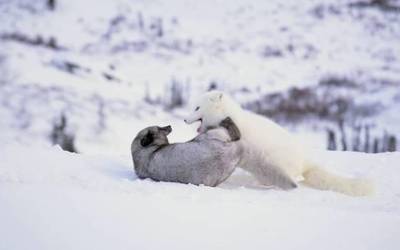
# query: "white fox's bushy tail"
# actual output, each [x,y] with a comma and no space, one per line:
[319,178]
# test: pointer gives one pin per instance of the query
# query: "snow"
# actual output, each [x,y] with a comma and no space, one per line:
[261,46]
[51,199]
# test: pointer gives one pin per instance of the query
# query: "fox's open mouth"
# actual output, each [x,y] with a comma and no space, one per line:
[201,123]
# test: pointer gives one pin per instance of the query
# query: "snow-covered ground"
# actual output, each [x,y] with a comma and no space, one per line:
[51,199]
[109,66]
[115,59]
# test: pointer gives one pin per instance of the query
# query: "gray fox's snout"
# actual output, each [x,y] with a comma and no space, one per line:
[167,129]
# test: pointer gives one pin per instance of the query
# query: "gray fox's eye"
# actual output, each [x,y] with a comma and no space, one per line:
[197,108]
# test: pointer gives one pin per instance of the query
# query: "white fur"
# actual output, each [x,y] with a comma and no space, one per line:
[273,155]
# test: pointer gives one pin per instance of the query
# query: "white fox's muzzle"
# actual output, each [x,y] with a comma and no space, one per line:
[193,118]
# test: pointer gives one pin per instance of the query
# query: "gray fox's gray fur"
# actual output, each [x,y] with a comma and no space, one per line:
[209,159]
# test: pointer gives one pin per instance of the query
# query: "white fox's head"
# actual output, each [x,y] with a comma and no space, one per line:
[211,109]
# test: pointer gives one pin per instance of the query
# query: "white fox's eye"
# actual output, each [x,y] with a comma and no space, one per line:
[197,108]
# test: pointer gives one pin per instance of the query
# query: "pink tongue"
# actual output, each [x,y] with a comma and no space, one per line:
[199,128]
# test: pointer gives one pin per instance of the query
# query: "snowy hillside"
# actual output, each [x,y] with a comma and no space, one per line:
[99,71]
[51,199]
[110,65]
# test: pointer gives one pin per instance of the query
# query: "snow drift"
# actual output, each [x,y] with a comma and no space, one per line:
[51,199]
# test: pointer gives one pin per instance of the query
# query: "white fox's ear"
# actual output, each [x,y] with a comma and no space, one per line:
[217,97]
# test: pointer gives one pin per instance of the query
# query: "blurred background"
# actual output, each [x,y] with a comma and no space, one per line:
[89,74]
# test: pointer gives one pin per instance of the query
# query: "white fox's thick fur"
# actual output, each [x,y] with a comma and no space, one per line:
[272,155]
[319,178]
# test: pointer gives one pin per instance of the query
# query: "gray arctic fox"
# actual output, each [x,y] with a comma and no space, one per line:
[208,159]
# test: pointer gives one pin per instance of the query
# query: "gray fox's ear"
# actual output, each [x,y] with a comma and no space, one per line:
[147,139]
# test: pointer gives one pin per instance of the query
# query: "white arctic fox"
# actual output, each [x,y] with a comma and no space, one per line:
[272,154]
